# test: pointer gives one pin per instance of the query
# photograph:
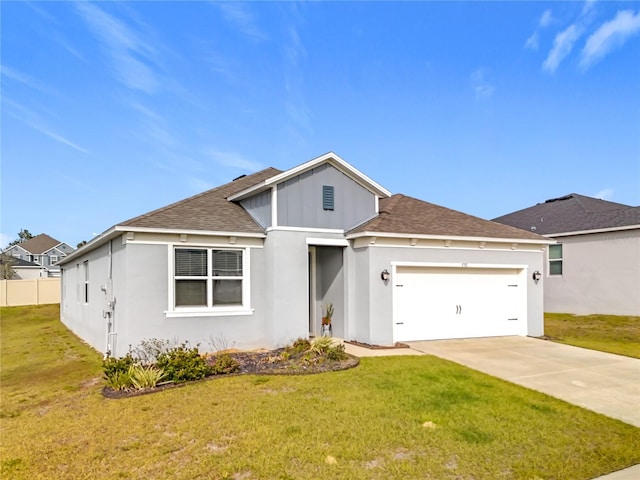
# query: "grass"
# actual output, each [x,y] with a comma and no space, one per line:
[606,333]
[364,423]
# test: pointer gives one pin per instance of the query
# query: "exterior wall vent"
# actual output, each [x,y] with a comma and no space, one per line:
[327,197]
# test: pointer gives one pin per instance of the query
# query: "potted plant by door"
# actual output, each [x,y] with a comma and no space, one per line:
[327,313]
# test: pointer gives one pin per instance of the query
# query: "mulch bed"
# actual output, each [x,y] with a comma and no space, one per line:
[252,363]
[377,347]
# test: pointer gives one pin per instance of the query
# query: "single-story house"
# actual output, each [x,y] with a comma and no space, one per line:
[595,265]
[253,262]
[24,270]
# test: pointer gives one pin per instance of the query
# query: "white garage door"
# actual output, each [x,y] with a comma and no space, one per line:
[432,303]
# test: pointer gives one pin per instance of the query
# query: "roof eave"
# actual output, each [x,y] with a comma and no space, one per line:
[451,237]
[118,230]
[595,230]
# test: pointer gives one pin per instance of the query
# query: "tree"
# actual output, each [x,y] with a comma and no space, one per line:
[6,266]
[23,236]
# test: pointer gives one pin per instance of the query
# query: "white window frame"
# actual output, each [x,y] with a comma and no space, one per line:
[53,259]
[210,310]
[85,285]
[556,260]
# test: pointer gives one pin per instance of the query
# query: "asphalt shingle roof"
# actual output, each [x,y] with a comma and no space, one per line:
[208,211]
[406,215]
[572,213]
[39,244]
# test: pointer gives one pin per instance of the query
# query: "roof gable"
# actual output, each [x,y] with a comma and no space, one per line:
[208,211]
[330,158]
[572,213]
[401,214]
[39,244]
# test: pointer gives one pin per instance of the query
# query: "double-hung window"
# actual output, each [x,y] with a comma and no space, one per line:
[555,259]
[209,278]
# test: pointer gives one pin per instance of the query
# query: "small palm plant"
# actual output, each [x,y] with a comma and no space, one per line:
[327,313]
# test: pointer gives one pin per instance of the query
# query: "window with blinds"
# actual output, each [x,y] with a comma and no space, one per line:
[208,277]
[555,259]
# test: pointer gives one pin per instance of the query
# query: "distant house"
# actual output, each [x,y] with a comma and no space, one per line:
[43,251]
[255,260]
[24,270]
[595,265]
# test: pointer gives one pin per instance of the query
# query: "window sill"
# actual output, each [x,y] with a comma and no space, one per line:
[209,313]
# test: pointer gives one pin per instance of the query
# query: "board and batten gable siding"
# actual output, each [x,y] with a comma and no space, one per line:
[300,200]
[259,207]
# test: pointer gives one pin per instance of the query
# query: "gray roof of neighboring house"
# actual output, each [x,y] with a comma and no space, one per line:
[208,211]
[39,244]
[572,213]
[18,262]
[406,215]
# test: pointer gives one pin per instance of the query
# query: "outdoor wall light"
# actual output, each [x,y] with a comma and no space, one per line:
[385,275]
[536,276]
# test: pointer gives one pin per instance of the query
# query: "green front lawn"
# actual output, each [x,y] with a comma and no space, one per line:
[607,333]
[364,423]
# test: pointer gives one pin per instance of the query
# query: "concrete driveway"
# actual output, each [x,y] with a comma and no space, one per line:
[602,382]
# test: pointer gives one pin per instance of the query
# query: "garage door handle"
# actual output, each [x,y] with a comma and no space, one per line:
[399,285]
[399,323]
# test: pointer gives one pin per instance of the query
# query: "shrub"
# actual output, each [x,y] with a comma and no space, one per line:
[113,366]
[119,380]
[224,364]
[301,345]
[148,351]
[145,377]
[321,345]
[336,353]
[182,364]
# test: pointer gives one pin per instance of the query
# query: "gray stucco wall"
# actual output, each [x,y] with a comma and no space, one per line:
[601,274]
[140,283]
[376,301]
[287,285]
[86,319]
[300,200]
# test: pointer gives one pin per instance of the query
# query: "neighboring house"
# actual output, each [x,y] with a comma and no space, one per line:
[24,270]
[43,251]
[253,261]
[595,265]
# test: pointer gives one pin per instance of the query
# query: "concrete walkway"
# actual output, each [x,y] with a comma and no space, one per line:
[602,382]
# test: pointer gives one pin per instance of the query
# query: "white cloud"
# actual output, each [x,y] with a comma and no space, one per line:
[533,41]
[240,18]
[562,46]
[235,160]
[33,120]
[25,79]
[127,50]
[605,194]
[610,35]
[481,87]
[546,18]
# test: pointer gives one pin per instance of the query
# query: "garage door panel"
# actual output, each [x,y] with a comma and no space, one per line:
[438,303]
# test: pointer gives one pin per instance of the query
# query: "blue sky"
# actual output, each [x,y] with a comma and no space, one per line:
[112,109]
